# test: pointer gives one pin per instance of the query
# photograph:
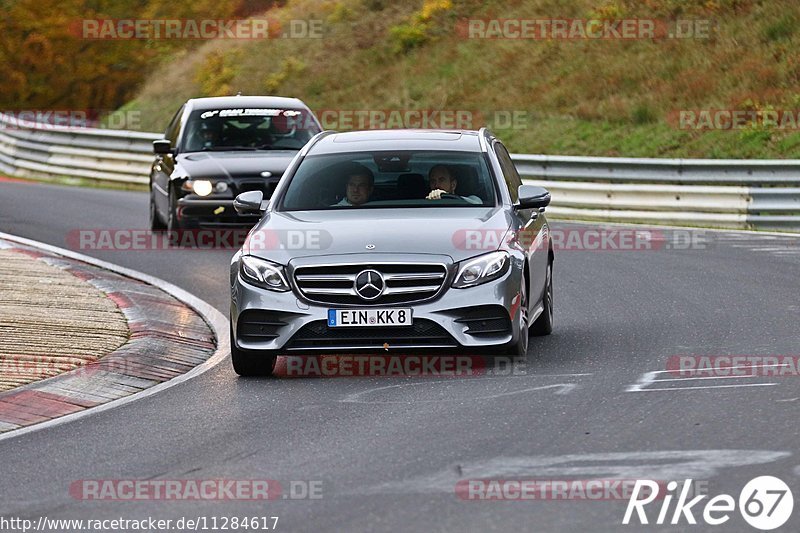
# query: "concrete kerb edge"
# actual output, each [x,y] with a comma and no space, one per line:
[215,320]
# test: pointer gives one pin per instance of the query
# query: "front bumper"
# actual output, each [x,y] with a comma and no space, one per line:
[473,319]
[212,213]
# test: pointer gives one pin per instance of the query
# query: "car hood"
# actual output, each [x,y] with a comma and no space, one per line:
[235,164]
[459,233]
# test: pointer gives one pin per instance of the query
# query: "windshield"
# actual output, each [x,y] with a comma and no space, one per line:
[248,129]
[396,179]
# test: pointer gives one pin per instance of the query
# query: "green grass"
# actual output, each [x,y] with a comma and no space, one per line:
[601,98]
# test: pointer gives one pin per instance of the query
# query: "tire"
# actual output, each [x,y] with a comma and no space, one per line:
[172,216]
[251,364]
[155,221]
[544,324]
[520,348]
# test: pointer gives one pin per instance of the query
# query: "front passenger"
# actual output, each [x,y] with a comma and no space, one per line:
[360,186]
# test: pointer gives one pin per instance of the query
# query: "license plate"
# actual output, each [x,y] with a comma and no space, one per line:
[338,318]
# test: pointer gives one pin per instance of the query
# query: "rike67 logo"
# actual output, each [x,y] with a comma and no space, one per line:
[765,503]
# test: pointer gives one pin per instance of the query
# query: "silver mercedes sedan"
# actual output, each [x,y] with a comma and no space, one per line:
[393,241]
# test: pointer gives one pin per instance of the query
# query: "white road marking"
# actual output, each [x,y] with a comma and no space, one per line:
[658,465]
[559,375]
[707,377]
[649,378]
[646,379]
[701,387]
[563,388]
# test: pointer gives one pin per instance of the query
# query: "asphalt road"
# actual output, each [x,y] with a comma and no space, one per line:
[389,451]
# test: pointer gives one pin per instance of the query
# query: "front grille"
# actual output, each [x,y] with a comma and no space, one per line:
[267,186]
[489,320]
[422,334]
[404,283]
[260,326]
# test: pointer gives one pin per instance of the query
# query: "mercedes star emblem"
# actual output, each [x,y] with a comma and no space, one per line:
[369,284]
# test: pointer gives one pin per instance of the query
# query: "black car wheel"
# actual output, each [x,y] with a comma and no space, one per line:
[155,220]
[172,216]
[520,349]
[251,364]
[544,324]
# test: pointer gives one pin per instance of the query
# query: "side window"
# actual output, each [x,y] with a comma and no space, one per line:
[174,127]
[513,181]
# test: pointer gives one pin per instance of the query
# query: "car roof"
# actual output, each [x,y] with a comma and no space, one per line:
[394,140]
[234,102]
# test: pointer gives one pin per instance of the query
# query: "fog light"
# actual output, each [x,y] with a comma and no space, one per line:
[202,187]
[221,186]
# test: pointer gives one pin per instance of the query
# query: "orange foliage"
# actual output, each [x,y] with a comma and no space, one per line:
[49,65]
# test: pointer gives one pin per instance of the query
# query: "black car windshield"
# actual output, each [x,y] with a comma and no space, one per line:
[390,180]
[248,129]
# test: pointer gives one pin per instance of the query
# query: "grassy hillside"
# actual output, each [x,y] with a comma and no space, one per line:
[585,97]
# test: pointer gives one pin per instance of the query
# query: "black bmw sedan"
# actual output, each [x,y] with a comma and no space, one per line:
[216,148]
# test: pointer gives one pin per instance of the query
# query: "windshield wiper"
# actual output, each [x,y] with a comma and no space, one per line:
[273,147]
[226,148]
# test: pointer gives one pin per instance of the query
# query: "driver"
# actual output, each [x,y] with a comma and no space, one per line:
[442,181]
[209,136]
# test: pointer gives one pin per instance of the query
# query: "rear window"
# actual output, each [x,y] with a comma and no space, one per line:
[364,180]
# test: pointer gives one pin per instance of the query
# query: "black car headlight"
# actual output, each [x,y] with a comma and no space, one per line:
[481,269]
[263,273]
[204,187]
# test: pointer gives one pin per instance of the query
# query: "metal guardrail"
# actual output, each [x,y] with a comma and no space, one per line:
[747,194]
[30,150]
[728,193]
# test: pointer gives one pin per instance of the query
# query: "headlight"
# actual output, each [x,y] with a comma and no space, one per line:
[263,273]
[202,187]
[481,269]
[199,187]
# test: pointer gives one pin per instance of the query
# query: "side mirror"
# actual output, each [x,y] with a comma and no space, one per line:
[162,147]
[533,197]
[248,203]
